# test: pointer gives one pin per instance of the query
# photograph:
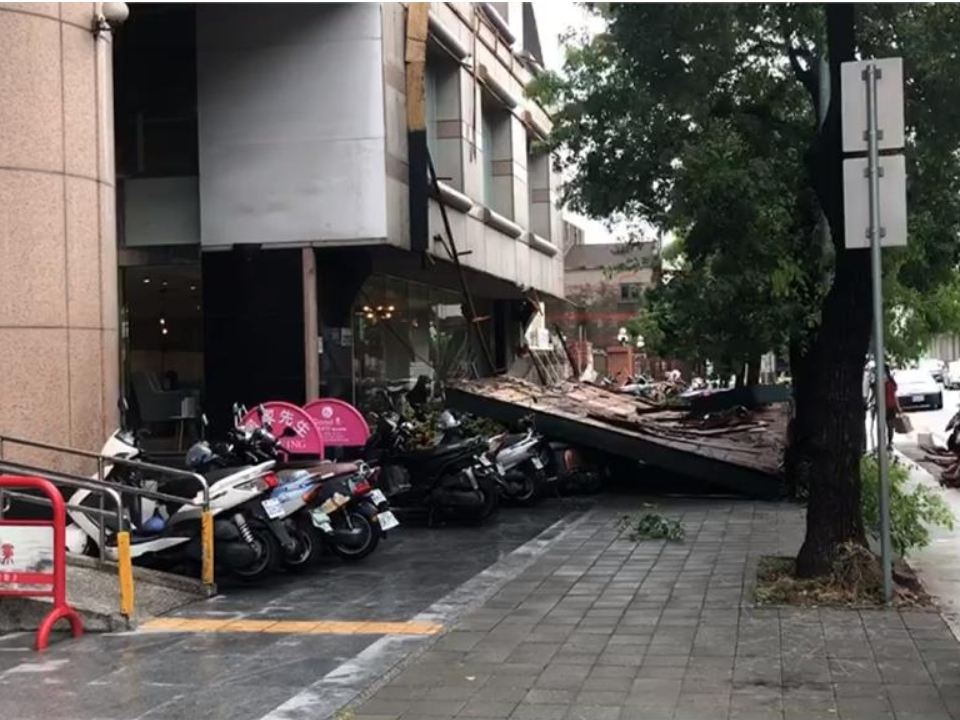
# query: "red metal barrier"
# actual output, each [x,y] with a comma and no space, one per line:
[28,575]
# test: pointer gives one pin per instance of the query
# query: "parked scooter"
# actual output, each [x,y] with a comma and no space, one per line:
[170,534]
[353,528]
[520,475]
[167,534]
[558,466]
[447,478]
[352,511]
[953,433]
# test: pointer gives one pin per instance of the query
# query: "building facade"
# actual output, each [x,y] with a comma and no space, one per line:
[266,242]
[600,299]
[58,267]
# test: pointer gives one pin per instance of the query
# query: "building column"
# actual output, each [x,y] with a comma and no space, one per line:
[311,326]
[58,270]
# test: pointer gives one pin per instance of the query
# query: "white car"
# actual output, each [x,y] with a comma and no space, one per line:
[917,389]
[951,377]
[935,367]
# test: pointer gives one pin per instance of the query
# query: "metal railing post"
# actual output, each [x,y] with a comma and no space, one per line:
[101,531]
[3,500]
[206,535]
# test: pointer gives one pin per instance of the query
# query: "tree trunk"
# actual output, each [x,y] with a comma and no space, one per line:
[829,426]
[753,371]
[795,461]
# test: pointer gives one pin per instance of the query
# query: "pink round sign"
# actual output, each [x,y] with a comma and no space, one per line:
[294,428]
[340,423]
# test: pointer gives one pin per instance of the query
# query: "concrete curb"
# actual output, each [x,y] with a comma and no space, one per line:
[93,590]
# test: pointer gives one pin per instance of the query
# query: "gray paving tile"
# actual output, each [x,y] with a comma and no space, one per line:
[588,712]
[539,712]
[486,709]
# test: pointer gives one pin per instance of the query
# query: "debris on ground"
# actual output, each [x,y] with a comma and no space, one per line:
[856,581]
[651,526]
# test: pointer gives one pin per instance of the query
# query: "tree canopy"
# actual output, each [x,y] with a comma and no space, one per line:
[699,119]
[720,122]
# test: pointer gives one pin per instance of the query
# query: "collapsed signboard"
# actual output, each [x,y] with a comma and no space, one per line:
[740,453]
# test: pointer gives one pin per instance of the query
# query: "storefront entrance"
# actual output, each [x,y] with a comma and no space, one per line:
[162,349]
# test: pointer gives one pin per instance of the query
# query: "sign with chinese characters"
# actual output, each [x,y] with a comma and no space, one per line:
[26,556]
[293,428]
[340,423]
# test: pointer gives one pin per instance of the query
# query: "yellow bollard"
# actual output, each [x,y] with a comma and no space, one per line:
[125,573]
[206,547]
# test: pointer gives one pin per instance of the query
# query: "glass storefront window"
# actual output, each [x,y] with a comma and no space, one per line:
[403,331]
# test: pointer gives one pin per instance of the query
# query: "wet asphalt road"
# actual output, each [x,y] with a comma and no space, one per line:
[249,675]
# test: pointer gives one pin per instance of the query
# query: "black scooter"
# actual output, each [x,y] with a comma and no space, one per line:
[448,478]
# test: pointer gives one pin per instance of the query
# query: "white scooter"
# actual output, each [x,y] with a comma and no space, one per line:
[167,534]
[516,457]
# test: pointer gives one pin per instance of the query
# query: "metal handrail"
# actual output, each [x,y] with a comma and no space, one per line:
[128,462]
[95,485]
[60,478]
[103,489]
[100,484]
[37,500]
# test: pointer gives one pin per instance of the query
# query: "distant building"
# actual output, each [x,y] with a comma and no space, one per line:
[572,235]
[600,299]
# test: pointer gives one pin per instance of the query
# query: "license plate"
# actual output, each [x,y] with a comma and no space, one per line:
[485,461]
[918,398]
[273,508]
[320,519]
[377,497]
[387,520]
[537,463]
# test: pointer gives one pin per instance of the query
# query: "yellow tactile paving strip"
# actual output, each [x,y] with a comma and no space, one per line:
[308,627]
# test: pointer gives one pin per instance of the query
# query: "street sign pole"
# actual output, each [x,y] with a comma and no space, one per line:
[870,76]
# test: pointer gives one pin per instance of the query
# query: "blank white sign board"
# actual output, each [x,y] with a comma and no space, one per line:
[893,202]
[889,104]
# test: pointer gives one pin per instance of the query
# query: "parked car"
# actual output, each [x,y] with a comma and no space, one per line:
[918,389]
[937,368]
[952,377]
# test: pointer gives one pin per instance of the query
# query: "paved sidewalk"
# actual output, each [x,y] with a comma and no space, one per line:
[939,563]
[604,629]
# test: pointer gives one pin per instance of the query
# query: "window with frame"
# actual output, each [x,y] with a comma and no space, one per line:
[495,139]
[630,292]
[442,106]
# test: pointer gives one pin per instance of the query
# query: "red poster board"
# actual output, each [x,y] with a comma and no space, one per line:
[340,423]
[33,559]
[278,415]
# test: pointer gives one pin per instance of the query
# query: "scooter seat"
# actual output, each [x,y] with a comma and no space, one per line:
[220,473]
[289,476]
[508,440]
[454,448]
[338,468]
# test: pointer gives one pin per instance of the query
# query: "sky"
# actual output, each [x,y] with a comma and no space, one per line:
[553,19]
